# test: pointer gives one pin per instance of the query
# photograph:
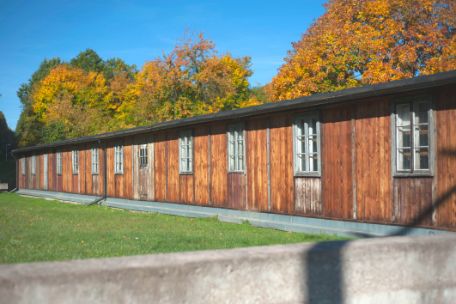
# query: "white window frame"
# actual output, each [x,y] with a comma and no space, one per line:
[143,156]
[94,160]
[23,165]
[186,152]
[236,148]
[301,132]
[33,165]
[118,159]
[414,137]
[58,163]
[75,161]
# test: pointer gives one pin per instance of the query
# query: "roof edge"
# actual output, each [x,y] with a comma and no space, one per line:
[319,99]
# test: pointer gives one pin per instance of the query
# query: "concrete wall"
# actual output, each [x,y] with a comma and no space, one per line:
[383,270]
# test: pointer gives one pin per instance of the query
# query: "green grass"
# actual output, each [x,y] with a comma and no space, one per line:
[34,229]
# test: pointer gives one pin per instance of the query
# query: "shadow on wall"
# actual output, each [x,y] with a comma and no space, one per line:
[324,265]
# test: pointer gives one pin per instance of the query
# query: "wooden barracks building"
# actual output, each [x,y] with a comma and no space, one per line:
[383,153]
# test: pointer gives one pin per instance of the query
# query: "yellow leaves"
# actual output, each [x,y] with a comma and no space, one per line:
[369,41]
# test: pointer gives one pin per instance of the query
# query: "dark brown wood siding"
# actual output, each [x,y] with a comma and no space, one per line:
[281,148]
[445,198]
[218,163]
[372,154]
[337,185]
[356,181]
[257,177]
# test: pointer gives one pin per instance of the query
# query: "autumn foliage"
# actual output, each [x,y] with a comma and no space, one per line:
[355,42]
[88,95]
[360,42]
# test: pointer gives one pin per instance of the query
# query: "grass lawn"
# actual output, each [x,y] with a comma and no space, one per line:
[34,229]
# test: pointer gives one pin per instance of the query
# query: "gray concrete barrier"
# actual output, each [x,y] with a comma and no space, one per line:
[383,270]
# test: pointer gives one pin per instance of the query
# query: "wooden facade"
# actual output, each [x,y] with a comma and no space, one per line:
[356,181]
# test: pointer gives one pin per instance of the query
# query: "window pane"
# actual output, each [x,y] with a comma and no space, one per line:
[313,162]
[404,139]
[423,136]
[421,112]
[403,115]
[422,158]
[404,161]
[312,127]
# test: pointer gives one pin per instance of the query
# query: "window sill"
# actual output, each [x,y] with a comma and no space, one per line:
[307,174]
[118,173]
[185,173]
[420,174]
[236,172]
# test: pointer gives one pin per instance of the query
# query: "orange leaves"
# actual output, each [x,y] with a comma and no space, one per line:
[190,80]
[369,41]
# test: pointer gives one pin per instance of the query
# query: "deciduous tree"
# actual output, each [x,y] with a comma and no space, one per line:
[363,42]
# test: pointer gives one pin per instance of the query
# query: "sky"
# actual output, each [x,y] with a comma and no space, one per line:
[139,31]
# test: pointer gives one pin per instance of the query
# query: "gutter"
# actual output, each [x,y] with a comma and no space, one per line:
[319,99]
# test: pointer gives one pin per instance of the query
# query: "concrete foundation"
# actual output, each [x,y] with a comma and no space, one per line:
[260,219]
[383,270]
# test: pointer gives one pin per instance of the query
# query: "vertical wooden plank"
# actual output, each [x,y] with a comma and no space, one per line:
[127,181]
[201,173]
[445,122]
[282,183]
[373,160]
[257,195]
[308,195]
[337,162]
[110,170]
[173,194]
[218,164]
[413,197]
[160,164]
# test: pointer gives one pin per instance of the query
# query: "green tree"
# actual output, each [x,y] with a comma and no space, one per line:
[29,128]
[88,60]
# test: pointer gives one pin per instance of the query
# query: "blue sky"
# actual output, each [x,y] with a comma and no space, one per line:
[138,31]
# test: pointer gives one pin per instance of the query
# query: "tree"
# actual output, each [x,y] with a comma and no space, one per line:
[88,60]
[29,128]
[7,137]
[190,80]
[363,42]
[72,100]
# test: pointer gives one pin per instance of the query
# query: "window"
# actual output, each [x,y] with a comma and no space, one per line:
[118,159]
[33,164]
[306,133]
[412,133]
[94,154]
[75,161]
[23,165]
[58,164]
[143,160]
[186,152]
[236,148]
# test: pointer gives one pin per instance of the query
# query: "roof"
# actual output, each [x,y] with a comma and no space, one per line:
[353,94]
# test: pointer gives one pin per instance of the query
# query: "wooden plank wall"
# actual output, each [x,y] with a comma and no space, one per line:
[218,163]
[282,181]
[201,168]
[160,176]
[337,184]
[257,178]
[356,182]
[445,183]
[372,154]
